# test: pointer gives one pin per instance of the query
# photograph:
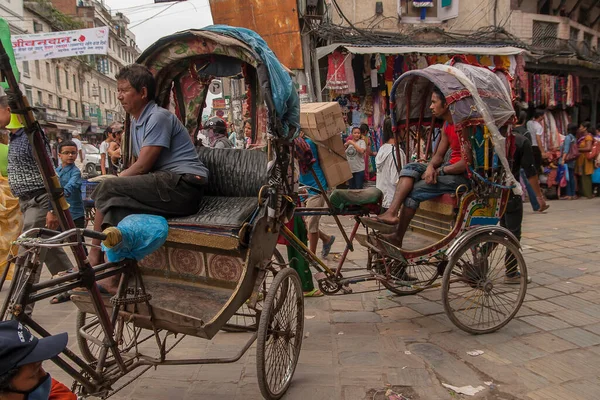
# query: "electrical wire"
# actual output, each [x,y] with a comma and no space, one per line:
[153,16]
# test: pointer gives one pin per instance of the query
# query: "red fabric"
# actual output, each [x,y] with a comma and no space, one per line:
[58,391]
[456,155]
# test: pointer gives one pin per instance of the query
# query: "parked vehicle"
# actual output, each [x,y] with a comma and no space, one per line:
[91,161]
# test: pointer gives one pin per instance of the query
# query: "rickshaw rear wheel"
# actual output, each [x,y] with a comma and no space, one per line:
[475,293]
[280,332]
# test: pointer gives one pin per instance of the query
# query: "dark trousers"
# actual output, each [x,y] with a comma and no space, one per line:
[537,159]
[357,181]
[571,184]
[159,193]
[512,220]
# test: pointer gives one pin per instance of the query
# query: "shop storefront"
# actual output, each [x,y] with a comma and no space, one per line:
[360,79]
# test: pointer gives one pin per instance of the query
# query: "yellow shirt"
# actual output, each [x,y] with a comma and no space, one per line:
[585,166]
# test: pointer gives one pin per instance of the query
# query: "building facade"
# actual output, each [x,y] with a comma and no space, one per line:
[76,94]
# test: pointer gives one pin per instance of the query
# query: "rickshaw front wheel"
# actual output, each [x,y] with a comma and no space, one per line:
[280,332]
[484,283]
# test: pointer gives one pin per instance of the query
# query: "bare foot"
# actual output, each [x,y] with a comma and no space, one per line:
[388,219]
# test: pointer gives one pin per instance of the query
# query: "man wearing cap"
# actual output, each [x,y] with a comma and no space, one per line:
[26,183]
[21,355]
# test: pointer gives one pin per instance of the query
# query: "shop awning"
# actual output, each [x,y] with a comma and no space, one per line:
[63,127]
[379,49]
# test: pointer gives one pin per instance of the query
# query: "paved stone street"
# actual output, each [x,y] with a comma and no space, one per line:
[357,346]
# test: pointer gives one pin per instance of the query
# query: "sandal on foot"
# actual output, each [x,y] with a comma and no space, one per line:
[62,298]
[314,293]
[82,290]
[327,247]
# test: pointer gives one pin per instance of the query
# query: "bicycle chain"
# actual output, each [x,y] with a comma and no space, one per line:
[136,299]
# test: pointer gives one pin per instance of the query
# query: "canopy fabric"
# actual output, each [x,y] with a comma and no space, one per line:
[476,50]
[285,97]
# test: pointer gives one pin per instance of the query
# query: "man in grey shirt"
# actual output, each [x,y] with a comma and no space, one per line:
[167,177]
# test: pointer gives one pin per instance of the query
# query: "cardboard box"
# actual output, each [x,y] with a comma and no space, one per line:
[333,162]
[321,121]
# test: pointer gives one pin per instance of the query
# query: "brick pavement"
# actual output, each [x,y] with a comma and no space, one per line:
[355,346]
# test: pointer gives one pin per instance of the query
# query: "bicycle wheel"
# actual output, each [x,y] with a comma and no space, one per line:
[476,294]
[246,318]
[126,334]
[280,333]
[407,279]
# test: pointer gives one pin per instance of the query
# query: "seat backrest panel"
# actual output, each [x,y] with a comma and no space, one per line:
[234,172]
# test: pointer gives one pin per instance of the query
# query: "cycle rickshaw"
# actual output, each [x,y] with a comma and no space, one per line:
[473,254]
[213,263]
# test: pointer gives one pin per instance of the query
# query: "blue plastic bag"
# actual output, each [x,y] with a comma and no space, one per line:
[141,235]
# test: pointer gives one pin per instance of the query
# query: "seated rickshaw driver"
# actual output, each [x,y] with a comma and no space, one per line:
[419,182]
[167,177]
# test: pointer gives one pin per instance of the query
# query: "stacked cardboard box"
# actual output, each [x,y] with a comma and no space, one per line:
[324,123]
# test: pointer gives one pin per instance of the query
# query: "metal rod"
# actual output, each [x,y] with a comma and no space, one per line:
[149,361]
[289,235]
[345,253]
[335,217]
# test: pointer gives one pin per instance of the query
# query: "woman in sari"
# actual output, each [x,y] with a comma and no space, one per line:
[584,167]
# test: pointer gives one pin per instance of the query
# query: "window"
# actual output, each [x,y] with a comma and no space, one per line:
[105,96]
[573,37]
[74,84]
[89,91]
[51,100]
[37,69]
[37,27]
[57,77]
[76,110]
[60,103]
[26,68]
[69,106]
[40,99]
[29,94]
[544,34]
[588,40]
[111,67]
[48,75]
[67,79]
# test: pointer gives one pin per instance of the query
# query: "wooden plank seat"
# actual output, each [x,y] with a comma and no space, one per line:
[436,217]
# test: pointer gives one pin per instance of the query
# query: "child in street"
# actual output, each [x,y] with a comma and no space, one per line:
[355,152]
[70,180]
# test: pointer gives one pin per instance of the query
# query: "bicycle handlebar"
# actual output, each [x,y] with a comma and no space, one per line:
[56,237]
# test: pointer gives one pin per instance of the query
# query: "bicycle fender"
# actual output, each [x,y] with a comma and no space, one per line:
[481,230]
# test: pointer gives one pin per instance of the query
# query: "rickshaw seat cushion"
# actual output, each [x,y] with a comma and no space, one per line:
[342,198]
[234,172]
[219,212]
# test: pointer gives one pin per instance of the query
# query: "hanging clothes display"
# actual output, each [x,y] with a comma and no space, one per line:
[336,72]
[349,75]
[358,68]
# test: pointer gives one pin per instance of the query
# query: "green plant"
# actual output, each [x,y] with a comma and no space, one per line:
[57,19]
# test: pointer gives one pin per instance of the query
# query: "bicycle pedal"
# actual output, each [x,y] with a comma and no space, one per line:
[347,290]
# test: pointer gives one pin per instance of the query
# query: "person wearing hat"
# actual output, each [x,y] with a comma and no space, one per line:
[216,132]
[26,183]
[22,376]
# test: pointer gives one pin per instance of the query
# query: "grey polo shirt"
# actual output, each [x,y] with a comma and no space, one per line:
[159,127]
